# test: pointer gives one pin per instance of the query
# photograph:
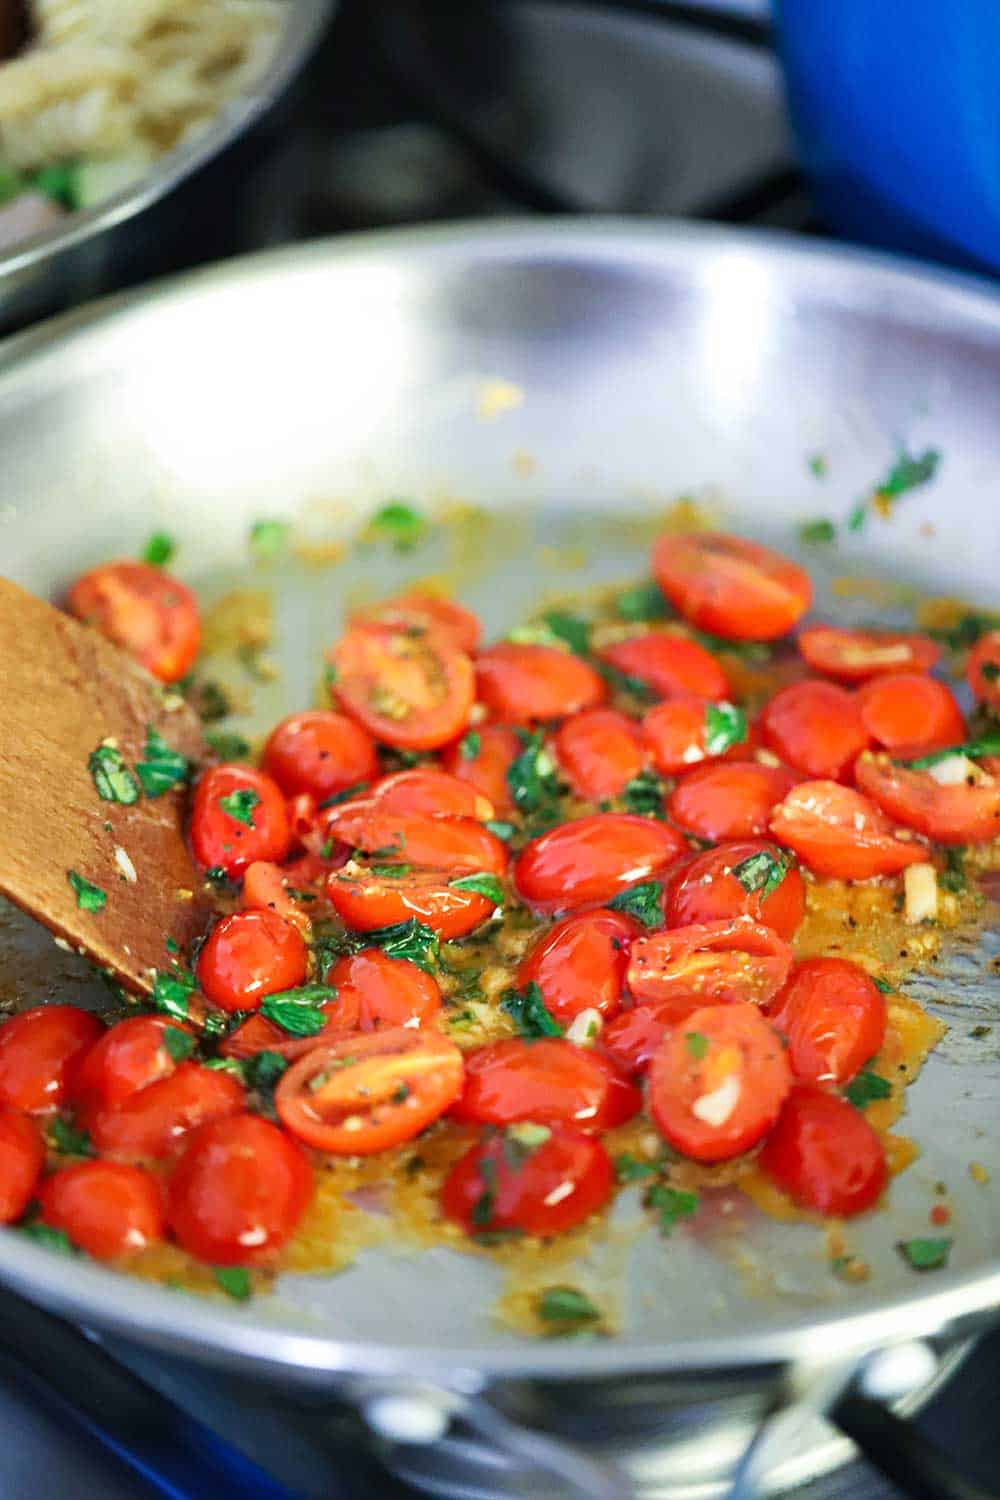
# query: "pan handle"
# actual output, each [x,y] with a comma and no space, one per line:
[921,1469]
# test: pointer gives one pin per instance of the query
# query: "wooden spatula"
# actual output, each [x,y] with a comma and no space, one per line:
[76,716]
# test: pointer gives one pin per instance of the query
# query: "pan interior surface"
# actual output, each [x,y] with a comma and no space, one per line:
[550,391]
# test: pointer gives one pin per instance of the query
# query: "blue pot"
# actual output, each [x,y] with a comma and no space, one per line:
[896,104]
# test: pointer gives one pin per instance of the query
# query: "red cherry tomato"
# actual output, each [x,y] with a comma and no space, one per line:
[731,587]
[719,962]
[590,860]
[145,611]
[461,846]
[731,881]
[824,1154]
[634,1035]
[600,752]
[959,814]
[816,727]
[319,752]
[857,655]
[40,1050]
[107,1208]
[732,801]
[838,832]
[833,1017]
[342,1017]
[248,955]
[425,612]
[409,689]
[238,1192]
[238,817]
[669,664]
[367,902]
[268,887]
[484,761]
[543,1189]
[22,1157]
[717,1083]
[364,1094]
[523,684]
[910,711]
[152,1122]
[550,1081]
[983,668]
[680,733]
[128,1056]
[580,963]
[431,794]
[384,992]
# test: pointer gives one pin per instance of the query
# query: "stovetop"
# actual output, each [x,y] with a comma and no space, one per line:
[416,110]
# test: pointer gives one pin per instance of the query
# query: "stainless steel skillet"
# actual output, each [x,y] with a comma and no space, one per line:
[558,377]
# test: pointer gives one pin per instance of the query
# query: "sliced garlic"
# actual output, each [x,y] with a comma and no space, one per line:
[921,888]
[716,1107]
[585,1027]
[954,770]
[125,864]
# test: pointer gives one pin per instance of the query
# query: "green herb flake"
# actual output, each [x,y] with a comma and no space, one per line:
[528,1009]
[60,181]
[481,1212]
[298,1011]
[172,992]
[67,1139]
[227,745]
[762,872]
[171,945]
[52,1239]
[884,985]
[500,829]
[818,466]
[179,1044]
[470,745]
[966,631]
[644,795]
[344,795]
[483,885]
[817,533]
[268,538]
[239,805]
[642,901]
[570,629]
[644,602]
[987,744]
[629,1168]
[624,682]
[88,897]
[209,700]
[909,473]
[953,877]
[234,1281]
[159,549]
[231,1065]
[412,940]
[670,1205]
[697,1044]
[390,872]
[264,1069]
[925,1254]
[112,777]
[400,523]
[725,726]
[990,671]
[866,1088]
[856,518]
[531,777]
[163,767]
[568,1307]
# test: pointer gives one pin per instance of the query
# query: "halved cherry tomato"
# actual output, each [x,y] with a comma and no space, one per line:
[833,1016]
[590,860]
[959,814]
[461,846]
[634,1035]
[238,1192]
[836,831]
[128,1056]
[857,655]
[409,688]
[484,762]
[523,684]
[40,1051]
[550,1081]
[367,901]
[721,962]
[717,1083]
[824,1154]
[429,793]
[600,752]
[108,1209]
[816,727]
[366,1093]
[22,1157]
[248,955]
[679,733]
[731,801]
[145,611]
[671,665]
[152,1122]
[732,880]
[907,710]
[342,1017]
[542,1189]
[384,992]
[268,887]
[426,612]
[319,752]
[580,963]
[238,816]
[983,668]
[731,587]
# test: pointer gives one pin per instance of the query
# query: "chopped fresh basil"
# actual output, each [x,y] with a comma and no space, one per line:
[629,1168]
[60,181]
[925,1254]
[67,1139]
[209,700]
[482,1210]
[966,630]
[866,1088]
[725,726]
[953,877]
[52,1239]
[500,829]
[390,872]
[483,885]
[112,777]
[298,1011]
[159,549]
[469,745]
[570,629]
[234,1281]
[528,1009]
[403,525]
[818,466]
[171,945]
[990,671]
[268,538]
[818,532]
[856,517]
[231,1065]
[884,986]
[218,877]
[908,473]
[644,602]
[762,872]
[642,901]
[568,1306]
[670,1205]
[644,795]
[228,746]
[624,682]
[88,897]
[179,1044]
[697,1044]
[413,940]
[163,767]
[239,805]
[533,783]
[172,992]
[987,744]
[345,795]
[264,1069]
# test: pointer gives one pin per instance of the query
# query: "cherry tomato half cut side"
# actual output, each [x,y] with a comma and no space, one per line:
[721,962]
[541,1183]
[748,878]
[366,902]
[148,613]
[731,587]
[907,710]
[384,992]
[729,801]
[523,684]
[816,727]
[550,1081]
[858,655]
[836,831]
[949,814]
[408,688]
[423,611]
[671,665]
